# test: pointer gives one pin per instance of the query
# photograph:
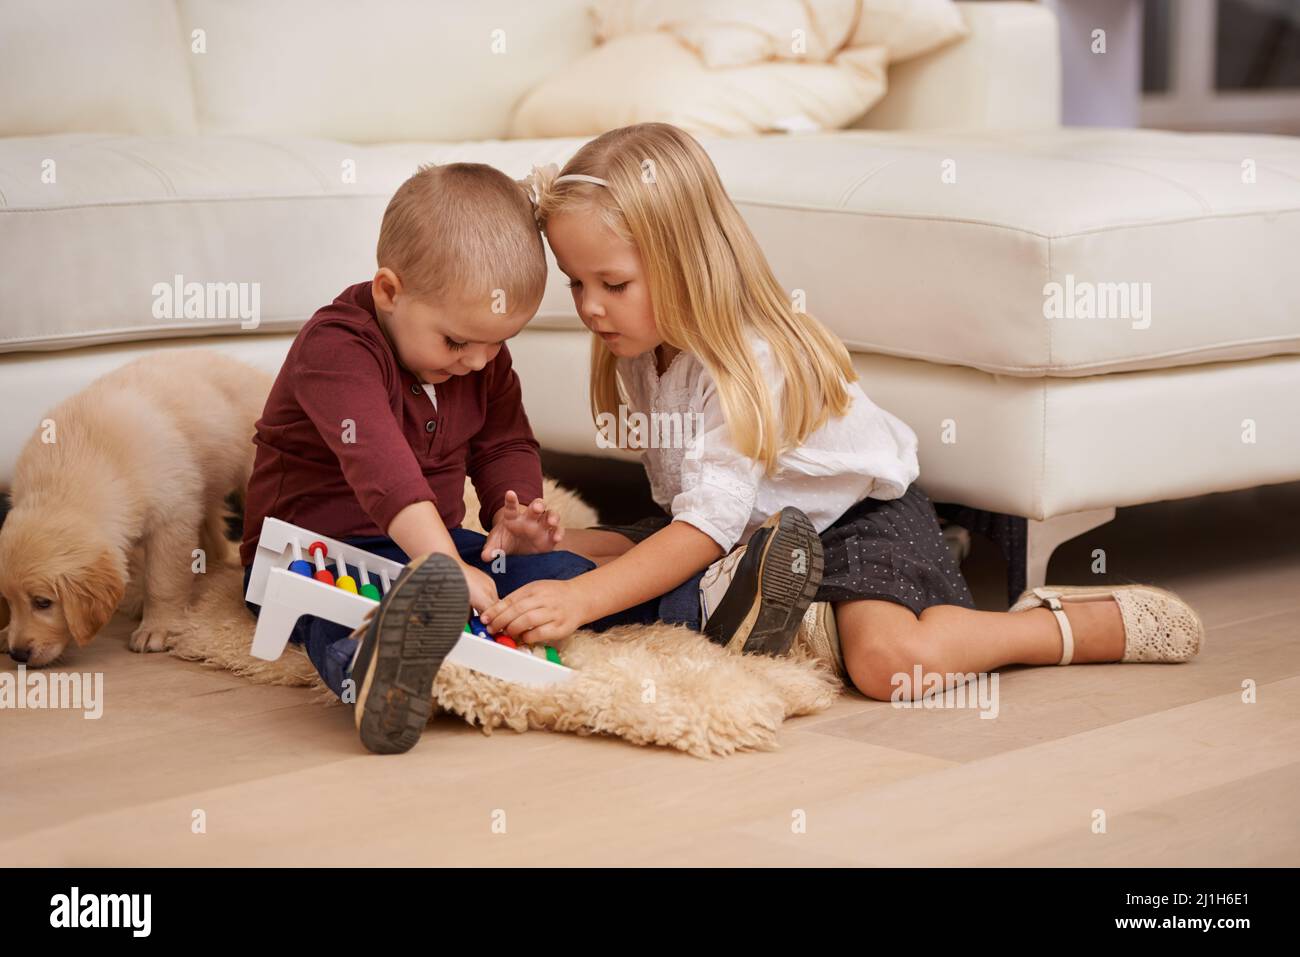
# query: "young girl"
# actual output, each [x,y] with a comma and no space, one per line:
[688,318]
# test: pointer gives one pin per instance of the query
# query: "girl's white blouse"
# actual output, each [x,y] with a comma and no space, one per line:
[704,481]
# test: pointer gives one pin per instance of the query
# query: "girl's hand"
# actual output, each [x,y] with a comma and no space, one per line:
[541,611]
[522,531]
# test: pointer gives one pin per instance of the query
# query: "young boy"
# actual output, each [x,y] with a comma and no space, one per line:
[388,398]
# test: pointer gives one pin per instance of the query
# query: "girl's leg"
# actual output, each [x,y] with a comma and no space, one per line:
[881,639]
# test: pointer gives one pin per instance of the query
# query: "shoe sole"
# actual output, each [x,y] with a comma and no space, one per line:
[418,624]
[765,618]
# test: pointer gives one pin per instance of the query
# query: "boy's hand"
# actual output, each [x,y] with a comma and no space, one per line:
[482,589]
[542,611]
[522,531]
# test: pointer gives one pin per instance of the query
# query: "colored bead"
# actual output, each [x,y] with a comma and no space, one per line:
[317,551]
[298,566]
[553,656]
[506,640]
[367,590]
[347,583]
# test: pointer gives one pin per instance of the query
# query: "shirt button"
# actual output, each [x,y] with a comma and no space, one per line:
[430,426]
[415,388]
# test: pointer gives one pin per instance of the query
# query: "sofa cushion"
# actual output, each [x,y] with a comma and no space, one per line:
[382,71]
[94,257]
[863,226]
[119,67]
[986,249]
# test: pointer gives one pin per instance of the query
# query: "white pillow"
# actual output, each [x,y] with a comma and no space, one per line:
[94,67]
[643,77]
[908,28]
[729,33]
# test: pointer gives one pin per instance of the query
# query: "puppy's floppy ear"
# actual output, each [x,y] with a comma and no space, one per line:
[90,595]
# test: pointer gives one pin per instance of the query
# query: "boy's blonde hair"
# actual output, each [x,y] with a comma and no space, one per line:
[709,283]
[460,232]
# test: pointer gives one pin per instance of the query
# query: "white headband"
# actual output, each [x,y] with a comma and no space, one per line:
[581,177]
[534,181]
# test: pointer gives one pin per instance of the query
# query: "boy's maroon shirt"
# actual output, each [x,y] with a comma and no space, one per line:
[342,367]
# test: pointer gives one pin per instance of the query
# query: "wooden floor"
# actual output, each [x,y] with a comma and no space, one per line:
[1184,771]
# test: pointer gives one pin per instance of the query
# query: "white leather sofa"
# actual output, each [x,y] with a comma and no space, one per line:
[225,142]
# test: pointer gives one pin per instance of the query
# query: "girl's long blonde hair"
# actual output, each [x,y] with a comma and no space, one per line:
[709,284]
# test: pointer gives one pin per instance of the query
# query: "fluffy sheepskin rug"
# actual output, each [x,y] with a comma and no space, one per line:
[648,684]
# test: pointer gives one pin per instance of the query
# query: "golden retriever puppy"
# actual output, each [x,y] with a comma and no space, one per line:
[127,477]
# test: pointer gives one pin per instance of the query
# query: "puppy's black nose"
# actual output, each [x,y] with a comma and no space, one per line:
[19,654]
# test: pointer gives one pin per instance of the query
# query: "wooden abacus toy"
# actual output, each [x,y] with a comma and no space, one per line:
[287,586]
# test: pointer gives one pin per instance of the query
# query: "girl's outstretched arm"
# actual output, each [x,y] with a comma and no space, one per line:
[551,610]
[596,544]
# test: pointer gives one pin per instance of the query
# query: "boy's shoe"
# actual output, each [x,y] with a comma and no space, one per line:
[820,638]
[404,640]
[768,587]
[716,580]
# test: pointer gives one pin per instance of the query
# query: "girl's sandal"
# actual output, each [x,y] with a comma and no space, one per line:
[1158,625]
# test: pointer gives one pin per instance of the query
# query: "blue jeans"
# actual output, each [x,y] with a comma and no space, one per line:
[331,649]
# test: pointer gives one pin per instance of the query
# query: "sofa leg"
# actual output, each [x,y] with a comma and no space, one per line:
[1042,538]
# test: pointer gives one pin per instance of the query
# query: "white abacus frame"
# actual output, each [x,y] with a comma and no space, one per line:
[284,596]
